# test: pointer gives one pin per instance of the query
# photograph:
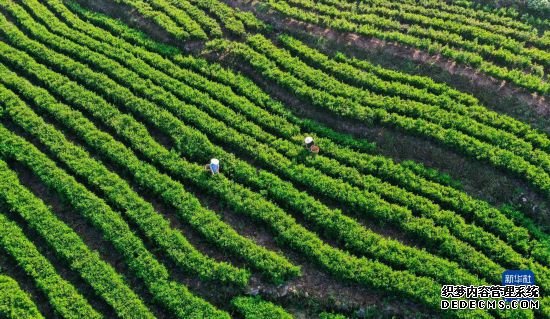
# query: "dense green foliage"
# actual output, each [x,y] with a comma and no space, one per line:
[97,273]
[463,39]
[118,128]
[256,308]
[347,107]
[174,296]
[206,221]
[15,303]
[63,297]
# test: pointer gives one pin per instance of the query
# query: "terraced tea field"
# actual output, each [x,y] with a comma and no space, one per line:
[430,171]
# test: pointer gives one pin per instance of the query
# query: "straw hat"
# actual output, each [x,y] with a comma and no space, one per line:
[215,161]
[308,139]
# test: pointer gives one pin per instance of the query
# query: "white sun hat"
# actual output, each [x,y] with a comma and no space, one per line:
[308,139]
[215,161]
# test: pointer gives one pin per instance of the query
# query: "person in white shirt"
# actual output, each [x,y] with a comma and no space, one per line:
[214,166]
[309,142]
[310,145]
